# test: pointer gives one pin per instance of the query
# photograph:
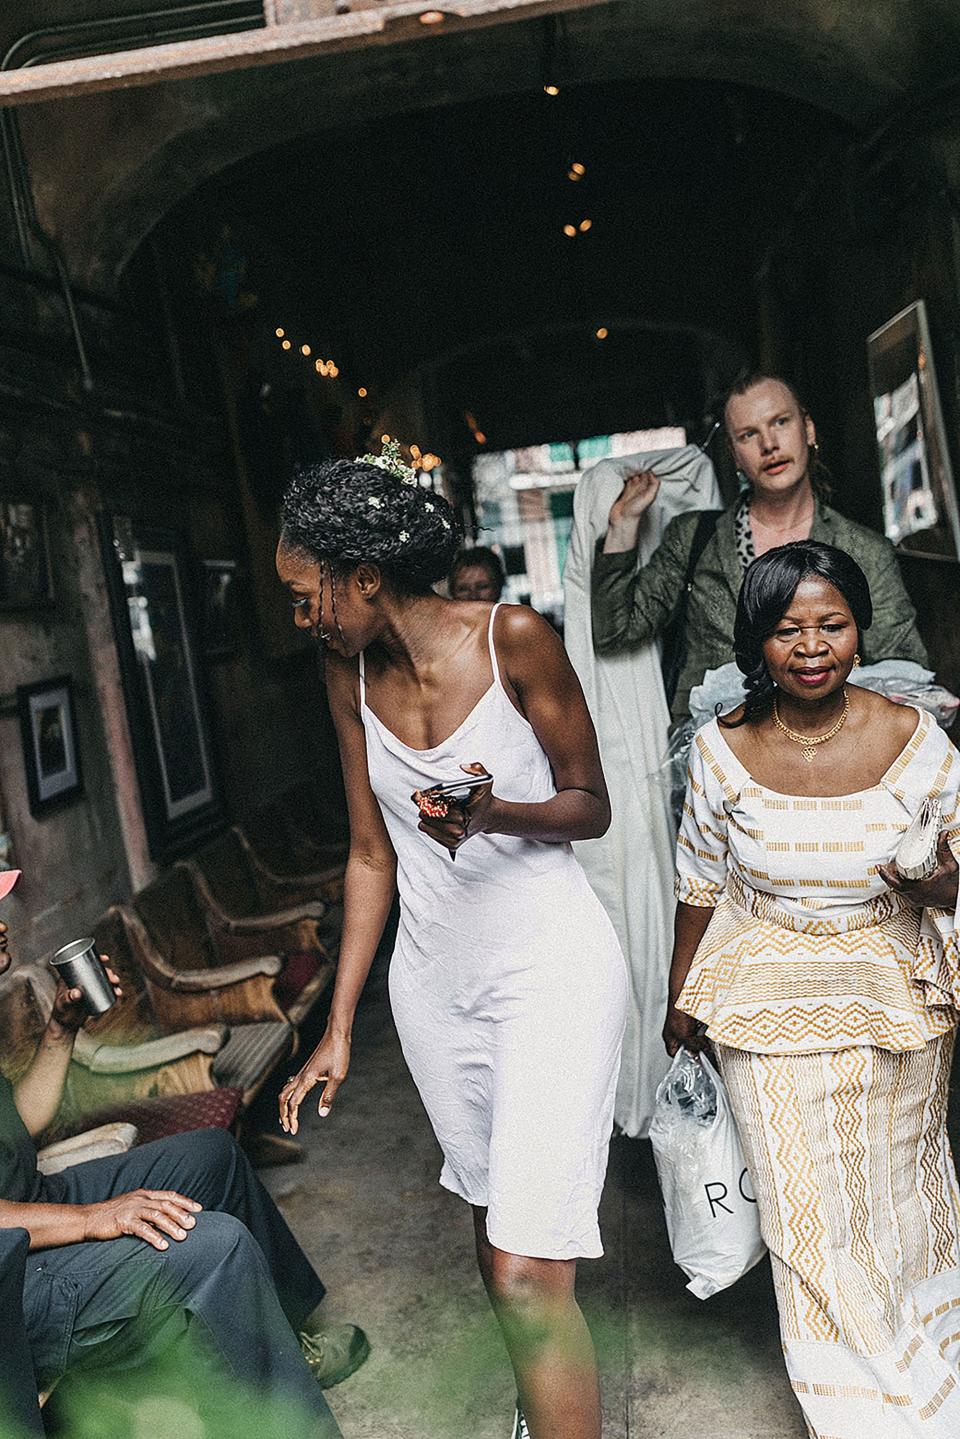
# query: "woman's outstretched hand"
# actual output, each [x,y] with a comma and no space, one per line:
[327,1065]
[938,891]
[681,1031]
[465,818]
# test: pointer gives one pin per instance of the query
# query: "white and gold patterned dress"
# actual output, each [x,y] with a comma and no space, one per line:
[832,1005]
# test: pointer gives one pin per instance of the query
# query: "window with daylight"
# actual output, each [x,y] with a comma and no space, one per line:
[524,501]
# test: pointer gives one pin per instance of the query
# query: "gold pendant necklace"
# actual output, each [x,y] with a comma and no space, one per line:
[811,741]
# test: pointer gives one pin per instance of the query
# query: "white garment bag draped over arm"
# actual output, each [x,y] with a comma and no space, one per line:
[631,868]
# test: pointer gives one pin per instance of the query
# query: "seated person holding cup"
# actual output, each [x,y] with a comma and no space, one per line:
[172,1254]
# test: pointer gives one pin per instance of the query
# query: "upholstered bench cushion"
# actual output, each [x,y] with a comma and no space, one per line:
[298,970]
[251,1051]
[168,1114]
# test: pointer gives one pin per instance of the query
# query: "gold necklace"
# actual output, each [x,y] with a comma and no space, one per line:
[808,741]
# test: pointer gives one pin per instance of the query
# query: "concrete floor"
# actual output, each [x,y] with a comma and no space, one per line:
[395,1251]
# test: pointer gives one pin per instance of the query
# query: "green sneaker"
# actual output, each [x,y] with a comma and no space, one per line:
[334,1353]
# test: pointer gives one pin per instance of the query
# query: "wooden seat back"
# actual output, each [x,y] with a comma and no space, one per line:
[176,921]
[232,879]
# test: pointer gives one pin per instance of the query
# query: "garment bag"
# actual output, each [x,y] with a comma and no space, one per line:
[631,868]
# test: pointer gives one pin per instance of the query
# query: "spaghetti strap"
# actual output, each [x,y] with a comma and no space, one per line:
[493,649]
[363,684]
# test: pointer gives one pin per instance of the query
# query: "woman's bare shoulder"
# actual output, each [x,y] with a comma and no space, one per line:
[342,677]
[519,624]
[736,735]
[870,710]
[523,635]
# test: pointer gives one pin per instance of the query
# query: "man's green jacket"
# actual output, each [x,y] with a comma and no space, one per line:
[631,605]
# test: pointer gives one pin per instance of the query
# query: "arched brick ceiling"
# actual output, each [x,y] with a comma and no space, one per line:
[444,235]
[106,168]
[436,247]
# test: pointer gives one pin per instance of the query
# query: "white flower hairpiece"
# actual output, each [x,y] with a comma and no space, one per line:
[391,460]
[403,537]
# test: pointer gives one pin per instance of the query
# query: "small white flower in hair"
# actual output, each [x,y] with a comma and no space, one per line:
[403,537]
[375,501]
[390,459]
[445,523]
[429,508]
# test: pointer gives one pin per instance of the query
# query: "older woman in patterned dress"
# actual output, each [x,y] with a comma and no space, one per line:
[829,988]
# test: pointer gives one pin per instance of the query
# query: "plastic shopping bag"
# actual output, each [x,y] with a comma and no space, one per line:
[710,1210]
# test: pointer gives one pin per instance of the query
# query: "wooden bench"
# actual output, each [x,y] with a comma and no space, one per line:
[236,998]
[231,964]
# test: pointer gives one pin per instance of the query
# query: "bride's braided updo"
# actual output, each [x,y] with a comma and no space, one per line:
[346,512]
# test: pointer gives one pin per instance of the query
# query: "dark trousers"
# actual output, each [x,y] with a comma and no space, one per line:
[227,1299]
[19,1411]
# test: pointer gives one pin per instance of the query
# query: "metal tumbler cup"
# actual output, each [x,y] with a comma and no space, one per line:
[80,967]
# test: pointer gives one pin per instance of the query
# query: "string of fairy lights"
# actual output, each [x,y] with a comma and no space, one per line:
[572,229]
[327,369]
[423,460]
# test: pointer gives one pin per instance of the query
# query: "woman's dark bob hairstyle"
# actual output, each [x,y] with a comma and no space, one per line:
[767,593]
[350,512]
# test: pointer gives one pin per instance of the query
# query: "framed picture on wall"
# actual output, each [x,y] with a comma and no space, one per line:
[51,754]
[25,575]
[920,511]
[222,621]
[153,608]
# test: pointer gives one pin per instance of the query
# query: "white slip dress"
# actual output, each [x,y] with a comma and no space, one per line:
[508,989]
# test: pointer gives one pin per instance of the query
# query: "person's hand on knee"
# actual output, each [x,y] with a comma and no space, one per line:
[153,1215]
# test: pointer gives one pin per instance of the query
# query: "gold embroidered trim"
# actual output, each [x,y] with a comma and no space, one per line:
[928,1410]
[851,1391]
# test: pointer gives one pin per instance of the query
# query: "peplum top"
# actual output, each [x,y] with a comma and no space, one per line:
[807,949]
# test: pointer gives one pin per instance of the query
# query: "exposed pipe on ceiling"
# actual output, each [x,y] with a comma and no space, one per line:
[15,160]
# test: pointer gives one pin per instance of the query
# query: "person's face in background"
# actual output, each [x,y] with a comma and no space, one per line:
[770,438]
[475,582]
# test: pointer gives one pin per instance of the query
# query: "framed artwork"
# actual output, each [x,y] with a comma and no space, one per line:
[152,605]
[920,511]
[50,751]
[221,608]
[25,575]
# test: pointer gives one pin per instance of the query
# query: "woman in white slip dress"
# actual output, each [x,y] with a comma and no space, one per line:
[507,982]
